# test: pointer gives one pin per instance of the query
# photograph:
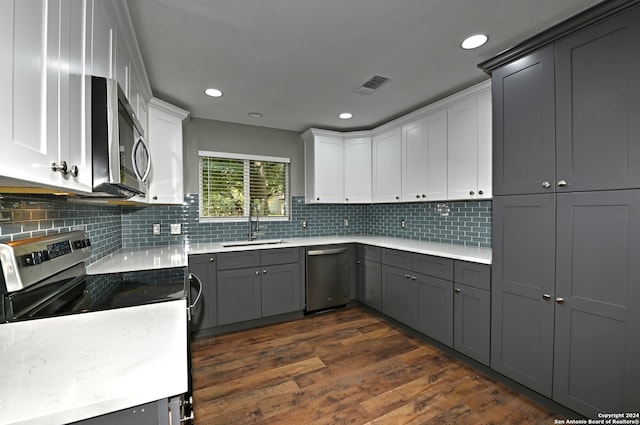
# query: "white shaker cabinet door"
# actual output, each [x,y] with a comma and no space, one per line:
[387,167]
[434,135]
[29,99]
[102,41]
[328,169]
[413,162]
[357,170]
[485,144]
[462,162]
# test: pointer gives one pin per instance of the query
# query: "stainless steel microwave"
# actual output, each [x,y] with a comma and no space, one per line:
[121,158]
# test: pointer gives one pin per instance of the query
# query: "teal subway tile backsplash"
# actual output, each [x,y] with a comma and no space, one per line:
[112,227]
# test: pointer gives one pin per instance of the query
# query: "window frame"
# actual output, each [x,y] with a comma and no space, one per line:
[243,157]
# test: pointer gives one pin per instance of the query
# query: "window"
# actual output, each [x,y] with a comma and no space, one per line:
[233,185]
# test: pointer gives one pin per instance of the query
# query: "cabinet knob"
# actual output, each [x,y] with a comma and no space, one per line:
[546,185]
[413,278]
[74,171]
[562,183]
[347,199]
[418,196]
[397,197]
[357,261]
[546,297]
[560,300]
[264,272]
[211,260]
[424,196]
[471,192]
[457,290]
[481,192]
[407,276]
[62,167]
[257,272]
[317,199]
[155,198]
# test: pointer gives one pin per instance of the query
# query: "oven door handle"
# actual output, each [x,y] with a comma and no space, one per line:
[196,279]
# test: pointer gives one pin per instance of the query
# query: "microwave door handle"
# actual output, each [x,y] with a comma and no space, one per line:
[140,141]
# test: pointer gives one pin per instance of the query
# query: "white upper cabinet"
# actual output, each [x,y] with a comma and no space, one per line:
[102,41]
[43,88]
[434,142]
[413,162]
[424,158]
[324,168]
[469,148]
[386,167]
[164,136]
[357,170]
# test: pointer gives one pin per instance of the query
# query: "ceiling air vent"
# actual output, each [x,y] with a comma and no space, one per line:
[372,84]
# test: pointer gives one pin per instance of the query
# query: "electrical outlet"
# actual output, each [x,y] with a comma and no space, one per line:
[156,229]
[304,224]
[346,222]
[403,223]
[176,229]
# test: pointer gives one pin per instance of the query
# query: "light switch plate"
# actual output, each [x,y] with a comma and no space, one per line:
[175,229]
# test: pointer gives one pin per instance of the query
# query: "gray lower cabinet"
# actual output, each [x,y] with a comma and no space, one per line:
[472,310]
[260,283]
[399,295]
[434,313]
[239,295]
[522,313]
[206,313]
[597,308]
[154,413]
[369,282]
[472,322]
[281,289]
[566,297]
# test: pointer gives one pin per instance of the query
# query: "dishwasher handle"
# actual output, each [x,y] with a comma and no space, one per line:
[327,251]
[194,278]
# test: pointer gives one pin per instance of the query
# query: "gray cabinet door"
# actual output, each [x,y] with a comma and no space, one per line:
[598,106]
[369,283]
[239,295]
[597,340]
[206,312]
[472,322]
[434,315]
[523,275]
[524,125]
[399,295]
[281,287]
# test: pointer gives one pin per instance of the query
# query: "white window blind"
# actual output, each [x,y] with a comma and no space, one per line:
[232,185]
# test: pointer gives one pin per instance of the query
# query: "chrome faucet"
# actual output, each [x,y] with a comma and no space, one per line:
[252,235]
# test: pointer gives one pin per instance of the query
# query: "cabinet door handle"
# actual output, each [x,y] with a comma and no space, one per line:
[62,167]
[560,300]
[457,290]
[546,184]
[546,297]
[562,183]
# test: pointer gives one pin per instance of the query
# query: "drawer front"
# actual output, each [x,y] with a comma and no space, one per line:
[269,257]
[238,259]
[430,265]
[400,259]
[368,252]
[473,274]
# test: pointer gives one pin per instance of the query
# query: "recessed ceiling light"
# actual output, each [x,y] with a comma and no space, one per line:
[213,92]
[474,41]
[345,115]
[255,114]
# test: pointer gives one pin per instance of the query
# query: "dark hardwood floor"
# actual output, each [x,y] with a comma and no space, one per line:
[345,367]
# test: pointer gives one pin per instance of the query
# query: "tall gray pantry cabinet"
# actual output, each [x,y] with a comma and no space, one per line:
[566,216]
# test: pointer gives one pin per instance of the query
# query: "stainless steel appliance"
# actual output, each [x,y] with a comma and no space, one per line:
[330,275]
[121,157]
[45,276]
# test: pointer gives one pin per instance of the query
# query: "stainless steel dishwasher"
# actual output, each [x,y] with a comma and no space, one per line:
[330,276]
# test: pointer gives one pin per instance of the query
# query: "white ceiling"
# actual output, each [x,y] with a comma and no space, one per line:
[298,61]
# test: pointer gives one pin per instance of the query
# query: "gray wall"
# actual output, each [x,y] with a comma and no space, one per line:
[219,136]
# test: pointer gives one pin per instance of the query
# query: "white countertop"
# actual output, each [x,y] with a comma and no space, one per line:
[133,259]
[68,368]
[457,252]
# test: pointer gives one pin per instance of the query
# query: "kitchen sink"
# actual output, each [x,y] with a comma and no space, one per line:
[253,243]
